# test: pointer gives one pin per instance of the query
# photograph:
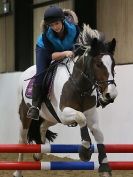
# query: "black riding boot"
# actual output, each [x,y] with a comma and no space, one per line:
[33,112]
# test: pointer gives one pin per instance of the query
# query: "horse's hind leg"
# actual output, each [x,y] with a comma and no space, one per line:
[45,135]
[25,123]
[43,129]
[92,121]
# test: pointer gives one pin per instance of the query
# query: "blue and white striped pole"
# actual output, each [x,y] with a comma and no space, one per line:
[64,148]
[73,165]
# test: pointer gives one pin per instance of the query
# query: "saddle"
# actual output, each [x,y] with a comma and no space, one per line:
[47,81]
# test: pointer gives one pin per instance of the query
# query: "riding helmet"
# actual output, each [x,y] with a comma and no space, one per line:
[52,14]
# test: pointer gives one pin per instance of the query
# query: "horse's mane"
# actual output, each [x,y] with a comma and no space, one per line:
[88,34]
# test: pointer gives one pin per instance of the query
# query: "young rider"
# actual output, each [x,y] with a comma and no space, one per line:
[55,43]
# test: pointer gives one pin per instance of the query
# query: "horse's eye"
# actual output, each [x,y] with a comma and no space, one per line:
[99,64]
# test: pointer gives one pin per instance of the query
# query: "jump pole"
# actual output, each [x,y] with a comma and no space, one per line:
[61,148]
[57,165]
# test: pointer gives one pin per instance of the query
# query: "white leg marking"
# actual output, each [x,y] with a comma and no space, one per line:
[70,115]
[93,125]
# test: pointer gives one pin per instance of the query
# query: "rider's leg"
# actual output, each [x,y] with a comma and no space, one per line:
[33,111]
[42,62]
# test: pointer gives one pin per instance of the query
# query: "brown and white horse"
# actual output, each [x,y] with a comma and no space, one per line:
[79,85]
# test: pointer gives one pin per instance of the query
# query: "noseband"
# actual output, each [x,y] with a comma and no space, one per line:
[96,84]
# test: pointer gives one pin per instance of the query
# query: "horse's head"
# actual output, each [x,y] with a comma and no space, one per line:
[102,69]
[98,58]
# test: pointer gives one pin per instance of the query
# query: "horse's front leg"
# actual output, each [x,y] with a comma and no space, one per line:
[70,116]
[92,122]
[104,169]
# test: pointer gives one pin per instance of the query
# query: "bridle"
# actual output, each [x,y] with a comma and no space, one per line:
[92,82]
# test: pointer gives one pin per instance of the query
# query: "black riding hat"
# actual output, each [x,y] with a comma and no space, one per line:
[52,14]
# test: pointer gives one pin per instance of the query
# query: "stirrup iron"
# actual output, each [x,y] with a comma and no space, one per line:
[35,115]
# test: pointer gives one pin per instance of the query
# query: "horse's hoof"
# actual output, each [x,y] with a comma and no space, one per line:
[37,157]
[85,153]
[17,174]
[105,174]
[105,170]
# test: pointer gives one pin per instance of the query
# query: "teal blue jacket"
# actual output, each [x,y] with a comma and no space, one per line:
[49,42]
[49,39]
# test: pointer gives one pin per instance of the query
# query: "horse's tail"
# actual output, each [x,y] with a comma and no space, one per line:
[35,135]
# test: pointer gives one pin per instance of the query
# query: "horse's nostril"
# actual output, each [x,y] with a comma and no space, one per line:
[107,96]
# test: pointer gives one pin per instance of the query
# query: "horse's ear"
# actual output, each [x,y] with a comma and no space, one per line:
[111,46]
[94,47]
[94,42]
